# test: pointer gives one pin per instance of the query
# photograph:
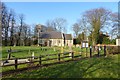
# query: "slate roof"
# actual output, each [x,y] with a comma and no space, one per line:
[68,37]
[51,35]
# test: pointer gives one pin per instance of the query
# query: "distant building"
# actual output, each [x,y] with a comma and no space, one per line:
[118,42]
[49,37]
[68,39]
[55,38]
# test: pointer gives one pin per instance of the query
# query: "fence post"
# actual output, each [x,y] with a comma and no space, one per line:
[90,51]
[40,60]
[59,57]
[72,55]
[104,50]
[9,53]
[98,51]
[86,51]
[16,62]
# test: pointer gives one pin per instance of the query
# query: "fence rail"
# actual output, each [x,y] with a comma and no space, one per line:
[16,62]
[59,57]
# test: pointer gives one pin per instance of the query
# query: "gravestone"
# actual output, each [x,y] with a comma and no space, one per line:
[33,55]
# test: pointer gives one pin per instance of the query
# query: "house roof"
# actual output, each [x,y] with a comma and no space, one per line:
[68,36]
[51,35]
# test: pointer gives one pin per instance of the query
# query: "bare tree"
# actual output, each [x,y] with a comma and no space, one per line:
[12,28]
[21,18]
[29,36]
[0,23]
[6,17]
[4,21]
[60,24]
[84,27]
[97,18]
[50,25]
[24,34]
[115,24]
[12,32]
[76,29]
[57,24]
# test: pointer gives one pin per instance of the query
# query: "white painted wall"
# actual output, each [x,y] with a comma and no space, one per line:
[57,42]
[69,42]
[118,42]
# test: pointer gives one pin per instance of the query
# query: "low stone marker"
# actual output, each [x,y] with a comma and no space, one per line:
[32,55]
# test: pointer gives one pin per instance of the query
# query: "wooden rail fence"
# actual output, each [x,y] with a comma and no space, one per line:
[58,57]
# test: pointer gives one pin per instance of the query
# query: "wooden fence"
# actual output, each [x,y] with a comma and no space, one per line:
[39,59]
[59,56]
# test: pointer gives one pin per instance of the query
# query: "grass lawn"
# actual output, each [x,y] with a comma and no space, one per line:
[25,51]
[88,68]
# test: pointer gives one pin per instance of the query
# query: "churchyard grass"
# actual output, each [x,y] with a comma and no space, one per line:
[88,68]
[26,51]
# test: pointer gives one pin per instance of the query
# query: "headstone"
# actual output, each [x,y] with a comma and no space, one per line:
[70,49]
[8,56]
[118,42]
[32,55]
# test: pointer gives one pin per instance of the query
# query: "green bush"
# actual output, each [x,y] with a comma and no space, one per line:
[106,41]
[35,42]
[113,41]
